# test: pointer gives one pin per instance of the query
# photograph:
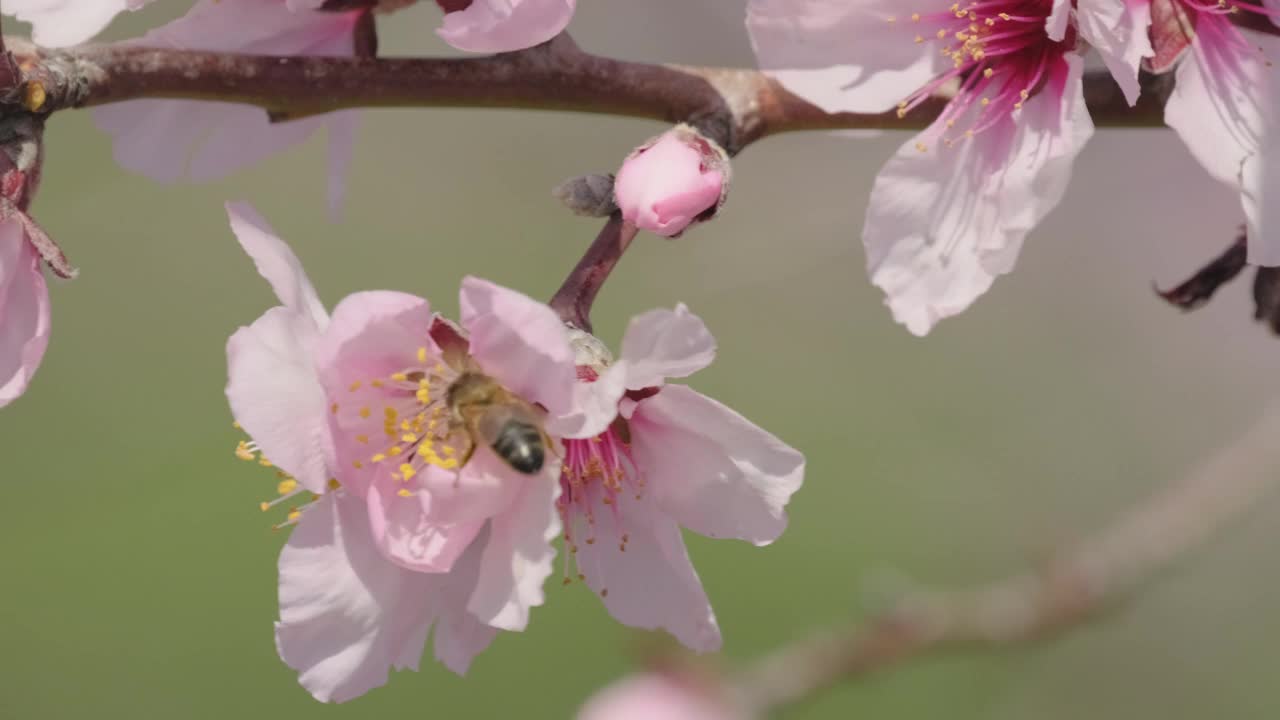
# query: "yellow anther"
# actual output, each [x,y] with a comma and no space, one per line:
[422,355]
[286,486]
[409,438]
[365,413]
[362,439]
[357,465]
[988,73]
[404,493]
[394,450]
[334,408]
[378,458]
[334,484]
[354,386]
[915,17]
[264,506]
[264,462]
[407,471]
[294,514]
[376,383]
[399,377]
[424,397]
[922,147]
[243,452]
[235,424]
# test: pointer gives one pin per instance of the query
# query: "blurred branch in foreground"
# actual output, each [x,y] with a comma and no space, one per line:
[1094,576]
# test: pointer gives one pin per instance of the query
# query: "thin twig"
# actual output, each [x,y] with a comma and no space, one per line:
[1094,576]
[574,298]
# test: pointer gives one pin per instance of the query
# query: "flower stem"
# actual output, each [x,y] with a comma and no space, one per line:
[578,292]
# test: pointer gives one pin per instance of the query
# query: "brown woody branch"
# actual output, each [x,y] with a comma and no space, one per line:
[1094,576]
[735,106]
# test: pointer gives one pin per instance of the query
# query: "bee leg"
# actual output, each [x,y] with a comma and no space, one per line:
[550,444]
[466,456]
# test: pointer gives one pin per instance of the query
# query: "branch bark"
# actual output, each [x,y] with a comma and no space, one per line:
[735,106]
[1096,575]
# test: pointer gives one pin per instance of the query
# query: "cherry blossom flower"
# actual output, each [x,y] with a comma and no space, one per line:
[388,365]
[24,310]
[493,26]
[348,615]
[675,179]
[172,140]
[58,23]
[1224,105]
[672,457]
[659,696]
[950,210]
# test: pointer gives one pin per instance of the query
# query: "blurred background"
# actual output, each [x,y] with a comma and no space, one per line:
[139,575]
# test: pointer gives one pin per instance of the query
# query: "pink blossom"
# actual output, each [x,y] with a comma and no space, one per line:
[58,23]
[672,457]
[1224,107]
[659,696]
[950,210]
[348,615]
[493,26]
[387,365]
[671,181]
[24,310]
[172,140]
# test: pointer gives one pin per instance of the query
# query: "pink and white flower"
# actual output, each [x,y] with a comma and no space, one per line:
[660,696]
[950,210]
[1224,105]
[672,457]
[24,310]
[173,140]
[493,26]
[354,600]
[58,23]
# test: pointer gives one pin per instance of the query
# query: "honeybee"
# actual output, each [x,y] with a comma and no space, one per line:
[496,417]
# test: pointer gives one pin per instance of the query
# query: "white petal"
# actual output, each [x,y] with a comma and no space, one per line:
[943,223]
[276,262]
[1119,32]
[1055,26]
[844,56]
[651,585]
[347,615]
[518,557]
[276,396]
[1260,193]
[713,470]
[662,344]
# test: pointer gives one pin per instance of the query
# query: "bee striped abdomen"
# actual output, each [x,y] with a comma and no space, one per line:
[520,444]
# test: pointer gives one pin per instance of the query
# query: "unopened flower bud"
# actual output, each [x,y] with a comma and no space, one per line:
[676,179]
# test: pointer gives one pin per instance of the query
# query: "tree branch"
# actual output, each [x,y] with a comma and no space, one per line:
[1098,574]
[734,106]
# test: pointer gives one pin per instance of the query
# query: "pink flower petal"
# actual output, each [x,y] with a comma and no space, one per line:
[653,696]
[651,585]
[58,23]
[276,262]
[663,344]
[371,335]
[943,223]
[713,470]
[844,56]
[171,140]
[518,557]
[459,635]
[406,534]
[522,344]
[492,26]
[1223,108]
[347,616]
[1260,194]
[1119,32]
[24,311]
[1055,25]
[276,395]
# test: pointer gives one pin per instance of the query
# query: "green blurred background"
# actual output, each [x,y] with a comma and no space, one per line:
[139,575]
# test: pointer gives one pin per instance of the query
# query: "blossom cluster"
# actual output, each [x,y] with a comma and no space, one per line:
[430,468]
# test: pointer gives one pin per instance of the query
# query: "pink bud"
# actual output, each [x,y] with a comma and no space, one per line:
[654,696]
[673,180]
